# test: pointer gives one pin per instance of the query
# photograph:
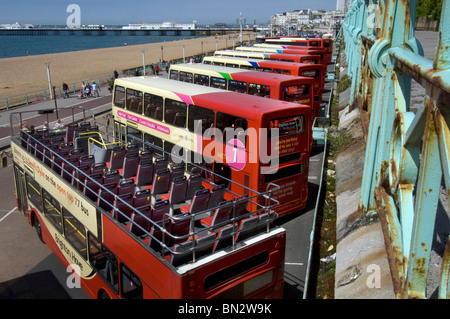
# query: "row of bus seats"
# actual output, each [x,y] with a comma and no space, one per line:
[224,237]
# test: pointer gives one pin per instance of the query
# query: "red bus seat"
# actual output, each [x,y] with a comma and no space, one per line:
[221,215]
[123,208]
[198,203]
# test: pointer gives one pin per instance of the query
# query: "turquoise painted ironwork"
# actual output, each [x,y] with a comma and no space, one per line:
[407,153]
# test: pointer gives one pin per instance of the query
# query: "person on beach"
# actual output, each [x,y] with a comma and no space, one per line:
[88,91]
[83,89]
[116,74]
[65,89]
[95,89]
[157,69]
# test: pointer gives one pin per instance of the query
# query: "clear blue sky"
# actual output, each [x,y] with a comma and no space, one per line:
[53,12]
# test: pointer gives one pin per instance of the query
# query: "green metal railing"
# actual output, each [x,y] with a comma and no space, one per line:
[407,154]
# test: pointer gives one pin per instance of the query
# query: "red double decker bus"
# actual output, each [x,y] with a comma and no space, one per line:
[133,225]
[283,87]
[290,68]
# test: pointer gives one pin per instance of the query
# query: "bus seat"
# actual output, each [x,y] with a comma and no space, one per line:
[204,245]
[142,198]
[224,238]
[87,160]
[130,165]
[144,174]
[177,171]
[177,192]
[179,229]
[217,194]
[221,215]
[241,206]
[68,167]
[76,153]
[116,157]
[140,221]
[161,163]
[48,151]
[247,228]
[264,221]
[126,186]
[79,176]
[123,208]
[111,177]
[146,156]
[160,183]
[194,184]
[57,161]
[106,196]
[99,168]
[199,202]
[182,253]
[161,208]
[70,132]
[92,186]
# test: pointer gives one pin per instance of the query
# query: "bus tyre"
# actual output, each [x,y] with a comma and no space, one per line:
[37,226]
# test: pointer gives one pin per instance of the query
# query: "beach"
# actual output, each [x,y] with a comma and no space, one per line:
[26,74]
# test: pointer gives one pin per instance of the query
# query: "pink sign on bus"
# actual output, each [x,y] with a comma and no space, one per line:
[145,122]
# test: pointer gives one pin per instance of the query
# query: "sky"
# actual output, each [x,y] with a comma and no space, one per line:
[114,12]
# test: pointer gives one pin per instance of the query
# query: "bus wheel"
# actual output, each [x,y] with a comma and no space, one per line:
[103,295]
[37,226]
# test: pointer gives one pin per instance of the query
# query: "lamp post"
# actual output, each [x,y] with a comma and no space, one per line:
[240,20]
[49,79]
[162,53]
[143,62]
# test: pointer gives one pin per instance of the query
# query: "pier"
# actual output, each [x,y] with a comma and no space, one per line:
[110,31]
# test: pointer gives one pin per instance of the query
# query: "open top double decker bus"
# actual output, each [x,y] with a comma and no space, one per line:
[272,85]
[290,68]
[251,140]
[133,225]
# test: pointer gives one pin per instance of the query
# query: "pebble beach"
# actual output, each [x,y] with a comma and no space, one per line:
[29,73]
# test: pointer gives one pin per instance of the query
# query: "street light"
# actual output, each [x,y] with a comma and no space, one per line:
[143,62]
[240,20]
[162,53]
[49,79]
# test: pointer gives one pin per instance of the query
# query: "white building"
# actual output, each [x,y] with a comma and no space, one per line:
[167,25]
[16,25]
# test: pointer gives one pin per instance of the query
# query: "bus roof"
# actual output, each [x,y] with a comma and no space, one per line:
[231,102]
[267,77]
[255,62]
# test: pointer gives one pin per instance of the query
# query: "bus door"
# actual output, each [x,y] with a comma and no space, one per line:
[19,178]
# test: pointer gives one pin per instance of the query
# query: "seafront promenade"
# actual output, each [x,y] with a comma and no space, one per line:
[25,79]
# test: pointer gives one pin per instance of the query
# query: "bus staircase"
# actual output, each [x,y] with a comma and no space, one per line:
[179,215]
[406,165]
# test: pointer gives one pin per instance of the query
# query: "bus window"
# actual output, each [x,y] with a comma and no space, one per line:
[237,86]
[131,284]
[296,92]
[264,69]
[119,96]
[230,126]
[288,125]
[224,171]
[247,67]
[134,136]
[75,232]
[283,173]
[218,83]
[153,106]
[207,62]
[52,210]
[236,66]
[186,77]
[259,90]
[311,73]
[282,71]
[103,261]
[218,63]
[197,113]
[313,43]
[173,75]
[201,79]
[34,192]
[175,113]
[134,101]
[150,139]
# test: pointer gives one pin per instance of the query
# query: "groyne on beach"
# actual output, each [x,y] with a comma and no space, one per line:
[22,75]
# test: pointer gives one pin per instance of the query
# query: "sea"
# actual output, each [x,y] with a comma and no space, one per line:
[17,46]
